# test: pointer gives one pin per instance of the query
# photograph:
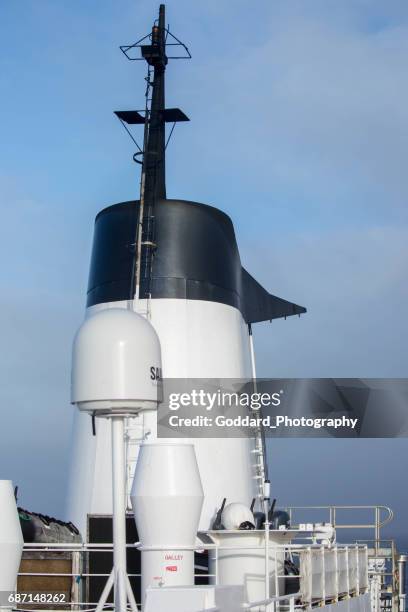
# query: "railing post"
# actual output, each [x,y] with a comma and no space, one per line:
[276,577]
[366,556]
[216,565]
[377,528]
[336,580]
[323,575]
[309,552]
[77,585]
[358,570]
[348,571]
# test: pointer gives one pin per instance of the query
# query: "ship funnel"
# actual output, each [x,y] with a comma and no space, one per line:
[167,497]
[11,539]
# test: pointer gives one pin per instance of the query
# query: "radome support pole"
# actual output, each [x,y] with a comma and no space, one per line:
[118,578]
[119,511]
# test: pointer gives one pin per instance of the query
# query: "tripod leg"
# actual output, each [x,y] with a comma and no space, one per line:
[105,593]
[130,595]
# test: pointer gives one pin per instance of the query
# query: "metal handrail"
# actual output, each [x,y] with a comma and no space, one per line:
[377,525]
[270,600]
[335,507]
[389,573]
[274,601]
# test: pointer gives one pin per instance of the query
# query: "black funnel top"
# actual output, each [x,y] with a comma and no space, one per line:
[197,258]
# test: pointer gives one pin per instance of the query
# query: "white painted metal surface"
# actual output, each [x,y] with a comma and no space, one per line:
[240,559]
[195,599]
[11,538]
[328,573]
[354,604]
[167,497]
[198,340]
[116,363]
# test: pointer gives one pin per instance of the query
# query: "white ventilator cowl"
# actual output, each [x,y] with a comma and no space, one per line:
[11,538]
[116,363]
[167,494]
[167,498]
[235,514]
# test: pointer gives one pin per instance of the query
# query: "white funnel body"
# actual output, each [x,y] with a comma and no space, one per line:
[167,498]
[199,339]
[11,538]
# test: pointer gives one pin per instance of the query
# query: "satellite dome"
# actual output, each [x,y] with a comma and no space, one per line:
[116,363]
[235,515]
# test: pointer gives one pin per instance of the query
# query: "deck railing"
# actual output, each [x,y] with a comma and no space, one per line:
[381,516]
[316,563]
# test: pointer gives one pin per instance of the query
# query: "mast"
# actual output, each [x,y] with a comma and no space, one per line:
[153,117]
[153,181]
[154,158]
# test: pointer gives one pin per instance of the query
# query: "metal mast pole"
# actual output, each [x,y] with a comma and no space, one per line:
[153,172]
[153,177]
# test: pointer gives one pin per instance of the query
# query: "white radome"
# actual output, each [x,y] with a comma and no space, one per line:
[116,363]
[167,498]
[235,514]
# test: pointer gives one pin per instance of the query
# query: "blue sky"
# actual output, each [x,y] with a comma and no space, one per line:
[299,131]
